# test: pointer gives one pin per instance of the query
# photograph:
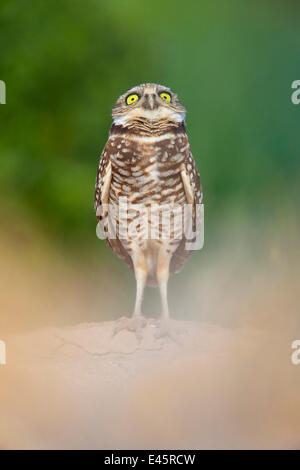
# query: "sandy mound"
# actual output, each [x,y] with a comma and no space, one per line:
[79,387]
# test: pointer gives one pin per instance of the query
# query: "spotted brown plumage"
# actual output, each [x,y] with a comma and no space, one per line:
[147,160]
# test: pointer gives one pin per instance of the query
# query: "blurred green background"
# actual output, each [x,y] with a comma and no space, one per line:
[66,62]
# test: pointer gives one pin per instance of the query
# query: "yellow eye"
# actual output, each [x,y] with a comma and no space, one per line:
[166,97]
[132,98]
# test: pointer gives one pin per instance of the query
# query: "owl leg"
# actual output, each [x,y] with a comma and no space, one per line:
[166,326]
[140,271]
[162,272]
[137,321]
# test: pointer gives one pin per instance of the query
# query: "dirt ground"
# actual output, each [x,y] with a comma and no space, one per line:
[79,387]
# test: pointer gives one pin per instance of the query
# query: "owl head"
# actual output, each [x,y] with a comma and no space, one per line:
[148,101]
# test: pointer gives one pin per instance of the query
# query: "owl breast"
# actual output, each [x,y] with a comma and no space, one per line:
[146,171]
[148,183]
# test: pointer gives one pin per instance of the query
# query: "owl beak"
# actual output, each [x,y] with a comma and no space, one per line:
[150,101]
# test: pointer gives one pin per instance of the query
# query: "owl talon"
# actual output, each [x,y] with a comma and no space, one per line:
[134,324]
[167,330]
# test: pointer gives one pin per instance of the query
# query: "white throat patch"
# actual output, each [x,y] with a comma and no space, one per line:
[152,115]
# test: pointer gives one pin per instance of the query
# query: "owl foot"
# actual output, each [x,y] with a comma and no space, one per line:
[167,329]
[134,324]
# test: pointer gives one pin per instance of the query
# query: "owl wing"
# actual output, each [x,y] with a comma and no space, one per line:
[102,186]
[101,205]
[193,191]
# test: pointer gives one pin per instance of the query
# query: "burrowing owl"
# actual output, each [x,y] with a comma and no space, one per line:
[147,162]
